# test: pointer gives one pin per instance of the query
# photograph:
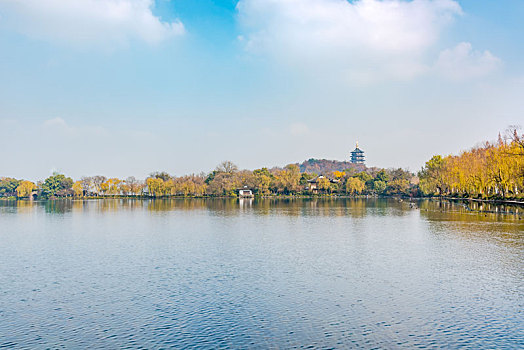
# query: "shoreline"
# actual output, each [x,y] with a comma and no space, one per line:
[301,196]
[491,201]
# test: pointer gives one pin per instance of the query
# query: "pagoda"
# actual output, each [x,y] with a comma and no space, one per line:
[357,156]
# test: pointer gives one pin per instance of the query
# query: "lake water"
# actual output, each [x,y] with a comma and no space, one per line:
[331,273]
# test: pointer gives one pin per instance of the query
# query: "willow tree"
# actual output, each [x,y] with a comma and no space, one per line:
[25,189]
[354,185]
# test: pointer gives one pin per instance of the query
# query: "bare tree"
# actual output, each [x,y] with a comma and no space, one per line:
[134,185]
[513,135]
[97,182]
[86,183]
[227,167]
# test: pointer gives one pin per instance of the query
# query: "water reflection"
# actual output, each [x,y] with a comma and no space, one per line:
[355,207]
[266,273]
[471,211]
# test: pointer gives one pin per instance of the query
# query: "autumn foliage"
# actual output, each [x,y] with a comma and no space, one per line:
[493,170]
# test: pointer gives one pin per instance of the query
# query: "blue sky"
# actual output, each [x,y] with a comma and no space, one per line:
[127,87]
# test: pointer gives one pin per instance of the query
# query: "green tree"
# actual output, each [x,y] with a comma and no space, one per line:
[305,177]
[379,186]
[8,186]
[57,185]
[382,176]
[365,177]
[432,176]
[160,175]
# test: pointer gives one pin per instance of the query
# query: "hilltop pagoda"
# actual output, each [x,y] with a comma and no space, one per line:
[357,156]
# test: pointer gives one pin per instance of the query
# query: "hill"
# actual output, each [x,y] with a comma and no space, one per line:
[324,166]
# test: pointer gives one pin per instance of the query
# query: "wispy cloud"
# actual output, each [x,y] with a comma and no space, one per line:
[463,62]
[363,39]
[88,22]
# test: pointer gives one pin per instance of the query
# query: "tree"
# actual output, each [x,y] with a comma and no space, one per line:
[8,186]
[305,177]
[293,176]
[379,186]
[161,175]
[87,183]
[517,139]
[382,176]
[227,167]
[156,186]
[365,177]
[398,186]
[491,170]
[211,176]
[124,188]
[57,185]
[104,187]
[339,174]
[135,186]
[112,186]
[354,185]
[25,189]
[432,176]
[78,189]
[262,179]
[97,183]
[324,184]
[223,184]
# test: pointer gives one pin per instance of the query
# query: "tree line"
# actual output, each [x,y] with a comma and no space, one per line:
[225,180]
[492,170]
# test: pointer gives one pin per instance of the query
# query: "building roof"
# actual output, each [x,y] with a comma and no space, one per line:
[315,180]
[357,150]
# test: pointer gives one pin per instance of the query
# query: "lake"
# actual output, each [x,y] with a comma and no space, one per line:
[263,273]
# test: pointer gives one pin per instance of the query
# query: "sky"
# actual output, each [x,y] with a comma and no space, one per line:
[129,87]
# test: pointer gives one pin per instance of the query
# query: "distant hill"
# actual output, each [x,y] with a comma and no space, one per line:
[324,166]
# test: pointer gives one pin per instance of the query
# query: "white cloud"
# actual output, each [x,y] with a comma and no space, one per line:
[462,62]
[365,39]
[56,123]
[91,22]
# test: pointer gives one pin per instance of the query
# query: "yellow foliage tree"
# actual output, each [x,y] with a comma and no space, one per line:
[113,186]
[156,187]
[489,170]
[25,189]
[354,185]
[77,189]
[324,184]
[339,174]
